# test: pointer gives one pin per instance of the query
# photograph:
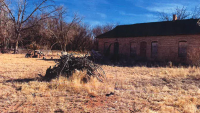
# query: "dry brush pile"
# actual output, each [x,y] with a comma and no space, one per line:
[69,64]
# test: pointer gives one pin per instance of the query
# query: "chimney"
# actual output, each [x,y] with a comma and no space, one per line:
[174,17]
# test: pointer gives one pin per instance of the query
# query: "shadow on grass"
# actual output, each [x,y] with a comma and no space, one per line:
[25,80]
[56,60]
[18,88]
[131,62]
[122,61]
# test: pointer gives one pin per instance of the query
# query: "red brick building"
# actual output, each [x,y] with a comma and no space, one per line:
[168,40]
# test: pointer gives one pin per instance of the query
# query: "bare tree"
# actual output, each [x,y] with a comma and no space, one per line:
[34,34]
[60,30]
[196,13]
[5,28]
[82,39]
[6,33]
[23,13]
[100,29]
[180,12]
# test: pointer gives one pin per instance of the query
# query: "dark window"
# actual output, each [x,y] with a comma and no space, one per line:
[133,49]
[182,49]
[154,49]
[143,50]
[116,48]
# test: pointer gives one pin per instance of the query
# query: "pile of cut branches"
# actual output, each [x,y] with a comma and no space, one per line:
[68,64]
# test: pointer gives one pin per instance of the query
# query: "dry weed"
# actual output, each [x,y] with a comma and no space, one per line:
[136,89]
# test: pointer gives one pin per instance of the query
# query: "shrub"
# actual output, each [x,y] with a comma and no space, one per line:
[33,46]
[5,50]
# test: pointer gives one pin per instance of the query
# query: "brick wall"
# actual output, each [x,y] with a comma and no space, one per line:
[167,45]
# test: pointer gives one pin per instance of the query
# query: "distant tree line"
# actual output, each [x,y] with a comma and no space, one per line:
[43,23]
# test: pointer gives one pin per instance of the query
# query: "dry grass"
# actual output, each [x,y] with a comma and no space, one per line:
[137,89]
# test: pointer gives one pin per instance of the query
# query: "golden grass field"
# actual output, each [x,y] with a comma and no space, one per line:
[136,89]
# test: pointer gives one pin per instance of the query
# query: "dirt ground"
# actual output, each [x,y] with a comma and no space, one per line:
[127,89]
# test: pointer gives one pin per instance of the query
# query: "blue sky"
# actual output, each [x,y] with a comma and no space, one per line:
[99,12]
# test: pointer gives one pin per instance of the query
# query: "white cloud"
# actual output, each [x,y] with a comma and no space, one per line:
[127,14]
[164,7]
[131,17]
[102,15]
[87,4]
[147,15]
[93,22]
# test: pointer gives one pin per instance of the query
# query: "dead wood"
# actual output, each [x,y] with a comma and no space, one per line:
[68,64]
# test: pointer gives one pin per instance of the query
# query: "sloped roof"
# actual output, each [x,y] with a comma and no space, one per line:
[165,28]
